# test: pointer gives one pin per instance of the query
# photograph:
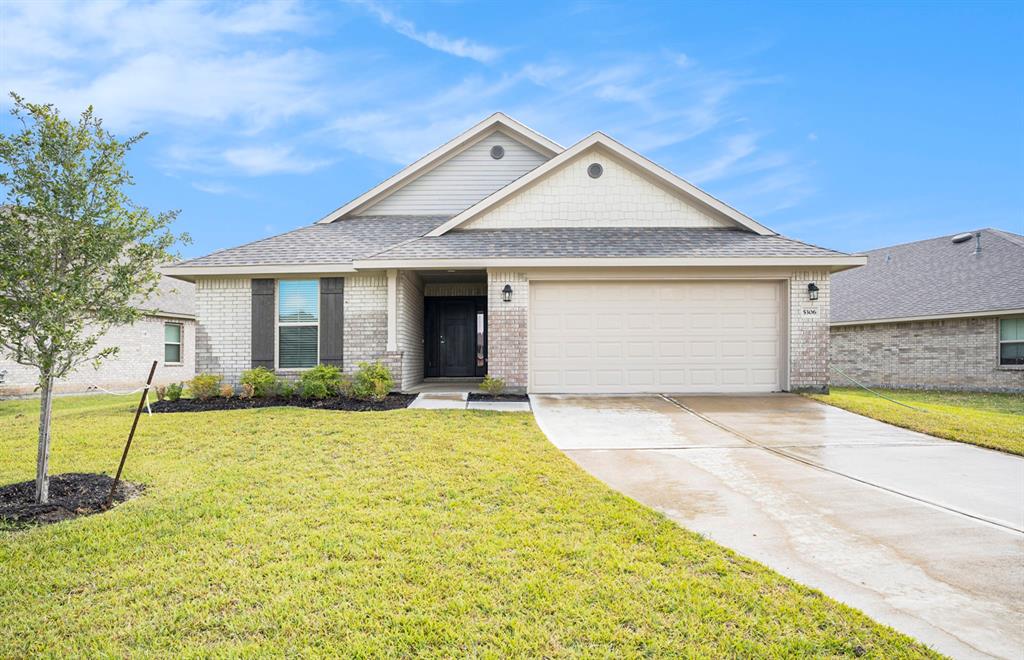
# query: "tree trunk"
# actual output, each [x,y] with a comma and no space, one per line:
[43,457]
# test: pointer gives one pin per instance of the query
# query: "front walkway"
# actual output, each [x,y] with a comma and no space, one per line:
[460,401]
[923,534]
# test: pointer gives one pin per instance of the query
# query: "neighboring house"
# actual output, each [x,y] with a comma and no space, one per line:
[945,313]
[587,269]
[166,333]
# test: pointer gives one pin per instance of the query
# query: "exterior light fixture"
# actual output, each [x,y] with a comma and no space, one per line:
[506,293]
[812,291]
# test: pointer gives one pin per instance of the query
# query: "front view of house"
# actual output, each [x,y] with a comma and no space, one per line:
[586,269]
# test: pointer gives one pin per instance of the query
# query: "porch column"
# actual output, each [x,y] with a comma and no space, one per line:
[392,310]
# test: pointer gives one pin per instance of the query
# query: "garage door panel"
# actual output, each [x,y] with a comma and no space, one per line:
[655,336]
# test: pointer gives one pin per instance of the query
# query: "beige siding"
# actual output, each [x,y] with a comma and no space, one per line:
[620,197]
[410,327]
[461,181]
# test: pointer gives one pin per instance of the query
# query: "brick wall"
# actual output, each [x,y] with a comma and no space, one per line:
[366,323]
[224,332]
[507,327]
[140,344]
[958,354]
[808,332]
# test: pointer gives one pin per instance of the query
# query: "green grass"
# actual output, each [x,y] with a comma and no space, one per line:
[286,531]
[987,420]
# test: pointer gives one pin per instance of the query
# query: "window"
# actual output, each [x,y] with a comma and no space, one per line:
[1011,341]
[172,343]
[298,324]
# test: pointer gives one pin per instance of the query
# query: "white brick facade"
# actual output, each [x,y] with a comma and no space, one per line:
[224,333]
[569,197]
[140,344]
[507,327]
[808,332]
[952,354]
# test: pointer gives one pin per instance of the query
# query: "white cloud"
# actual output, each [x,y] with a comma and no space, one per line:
[260,161]
[213,187]
[737,148]
[458,47]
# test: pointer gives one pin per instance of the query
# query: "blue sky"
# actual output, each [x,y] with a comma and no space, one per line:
[849,126]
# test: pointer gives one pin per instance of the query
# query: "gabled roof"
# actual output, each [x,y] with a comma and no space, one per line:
[497,121]
[934,278]
[598,140]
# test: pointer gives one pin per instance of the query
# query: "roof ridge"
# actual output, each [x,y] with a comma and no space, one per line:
[935,238]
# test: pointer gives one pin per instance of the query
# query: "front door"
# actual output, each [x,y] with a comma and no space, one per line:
[451,336]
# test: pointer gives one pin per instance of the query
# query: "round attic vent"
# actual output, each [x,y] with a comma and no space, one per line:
[962,238]
[594,170]
[497,152]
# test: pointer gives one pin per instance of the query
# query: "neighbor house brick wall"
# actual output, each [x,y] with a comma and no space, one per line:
[410,327]
[224,332]
[808,332]
[507,328]
[957,354]
[139,344]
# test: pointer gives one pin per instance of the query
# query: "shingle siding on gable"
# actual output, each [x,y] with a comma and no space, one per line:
[620,197]
[953,354]
[462,181]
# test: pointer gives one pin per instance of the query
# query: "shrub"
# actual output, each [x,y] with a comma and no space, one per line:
[205,386]
[372,382]
[320,382]
[492,385]
[246,391]
[226,391]
[286,389]
[161,392]
[174,391]
[263,382]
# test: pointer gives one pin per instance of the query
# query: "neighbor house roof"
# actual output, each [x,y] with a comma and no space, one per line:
[171,298]
[934,278]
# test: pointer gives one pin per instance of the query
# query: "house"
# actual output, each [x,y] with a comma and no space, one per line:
[944,313]
[165,333]
[580,269]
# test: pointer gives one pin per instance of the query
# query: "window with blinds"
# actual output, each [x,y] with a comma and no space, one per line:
[1011,341]
[172,343]
[298,323]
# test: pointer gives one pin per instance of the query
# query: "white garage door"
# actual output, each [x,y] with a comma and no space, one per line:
[711,336]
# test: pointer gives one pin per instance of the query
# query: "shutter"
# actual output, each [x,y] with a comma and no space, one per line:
[332,320]
[263,323]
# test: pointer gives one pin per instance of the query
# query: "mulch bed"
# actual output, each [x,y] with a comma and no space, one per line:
[71,495]
[391,402]
[477,396]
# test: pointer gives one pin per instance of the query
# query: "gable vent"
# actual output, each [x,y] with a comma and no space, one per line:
[497,152]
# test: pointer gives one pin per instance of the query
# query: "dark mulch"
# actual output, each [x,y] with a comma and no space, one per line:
[71,495]
[391,402]
[477,396]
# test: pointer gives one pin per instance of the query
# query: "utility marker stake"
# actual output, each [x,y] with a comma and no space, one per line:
[131,434]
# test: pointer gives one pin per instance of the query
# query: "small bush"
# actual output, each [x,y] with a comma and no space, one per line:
[286,389]
[161,392]
[174,391]
[245,392]
[263,382]
[372,382]
[205,386]
[320,382]
[226,391]
[492,385]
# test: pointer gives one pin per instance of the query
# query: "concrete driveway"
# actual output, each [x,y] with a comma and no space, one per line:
[923,534]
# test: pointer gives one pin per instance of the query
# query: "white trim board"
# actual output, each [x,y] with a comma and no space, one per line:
[836,263]
[497,121]
[933,317]
[653,171]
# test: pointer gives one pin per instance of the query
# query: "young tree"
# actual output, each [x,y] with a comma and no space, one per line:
[76,255]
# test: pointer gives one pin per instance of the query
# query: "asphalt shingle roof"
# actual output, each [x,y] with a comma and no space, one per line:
[601,242]
[933,277]
[334,243]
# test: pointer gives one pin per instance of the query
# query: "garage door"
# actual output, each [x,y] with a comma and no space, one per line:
[713,336]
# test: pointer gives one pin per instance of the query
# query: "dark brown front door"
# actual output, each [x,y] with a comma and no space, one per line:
[451,337]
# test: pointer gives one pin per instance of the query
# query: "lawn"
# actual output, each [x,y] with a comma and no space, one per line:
[987,420]
[287,531]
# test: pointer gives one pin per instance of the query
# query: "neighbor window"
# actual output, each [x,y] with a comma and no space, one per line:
[172,343]
[298,323]
[1011,341]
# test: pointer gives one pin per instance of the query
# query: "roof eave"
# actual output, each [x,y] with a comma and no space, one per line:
[832,263]
[190,273]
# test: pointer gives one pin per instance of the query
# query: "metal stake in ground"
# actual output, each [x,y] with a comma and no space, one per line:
[131,434]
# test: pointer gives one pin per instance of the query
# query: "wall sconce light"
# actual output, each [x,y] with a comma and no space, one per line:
[506,293]
[812,291]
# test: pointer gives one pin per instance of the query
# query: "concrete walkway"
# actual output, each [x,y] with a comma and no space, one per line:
[460,401]
[920,533]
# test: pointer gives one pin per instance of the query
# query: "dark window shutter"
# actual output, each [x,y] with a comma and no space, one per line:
[263,323]
[332,320]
